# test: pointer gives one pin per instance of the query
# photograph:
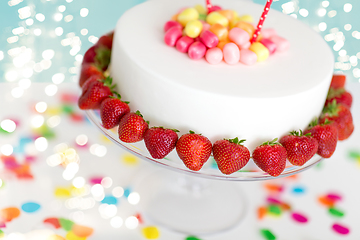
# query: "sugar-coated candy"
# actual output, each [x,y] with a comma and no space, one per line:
[260,50]
[187,15]
[209,39]
[215,17]
[183,44]
[193,28]
[172,35]
[239,36]
[282,44]
[248,27]
[214,55]
[268,32]
[231,53]
[229,14]
[197,50]
[246,18]
[246,45]
[170,24]
[221,44]
[200,8]
[271,46]
[206,26]
[220,31]
[247,57]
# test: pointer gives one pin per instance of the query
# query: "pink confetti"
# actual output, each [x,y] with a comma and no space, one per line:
[273,200]
[299,217]
[2,225]
[340,229]
[96,180]
[334,197]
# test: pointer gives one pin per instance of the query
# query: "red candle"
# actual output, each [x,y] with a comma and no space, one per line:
[261,21]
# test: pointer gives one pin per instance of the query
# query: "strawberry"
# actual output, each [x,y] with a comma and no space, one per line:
[112,109]
[88,70]
[338,81]
[132,127]
[326,135]
[194,150]
[99,55]
[270,157]
[300,148]
[340,95]
[341,116]
[106,40]
[89,56]
[160,141]
[230,155]
[94,91]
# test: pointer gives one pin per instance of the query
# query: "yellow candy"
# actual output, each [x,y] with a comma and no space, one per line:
[200,8]
[246,18]
[233,22]
[229,14]
[193,28]
[260,50]
[187,15]
[215,17]
[248,27]
[235,14]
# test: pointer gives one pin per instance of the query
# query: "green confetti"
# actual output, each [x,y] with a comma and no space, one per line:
[192,238]
[66,224]
[354,154]
[336,212]
[267,234]
[67,109]
[274,209]
[2,131]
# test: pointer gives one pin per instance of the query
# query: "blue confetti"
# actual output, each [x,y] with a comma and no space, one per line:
[298,190]
[110,200]
[127,192]
[30,207]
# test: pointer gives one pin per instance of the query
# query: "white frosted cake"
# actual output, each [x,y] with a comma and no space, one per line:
[257,103]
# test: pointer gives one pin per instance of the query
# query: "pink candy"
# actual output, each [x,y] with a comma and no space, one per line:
[214,8]
[282,44]
[247,57]
[268,32]
[209,39]
[214,55]
[172,35]
[183,44]
[170,24]
[239,36]
[269,45]
[197,50]
[231,53]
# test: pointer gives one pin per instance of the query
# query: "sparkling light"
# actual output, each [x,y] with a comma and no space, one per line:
[53,121]
[321,12]
[84,12]
[332,13]
[347,27]
[288,7]
[24,12]
[54,160]
[6,149]
[325,4]
[303,12]
[322,26]
[13,39]
[48,54]
[37,121]
[61,8]
[68,18]
[70,171]
[106,182]
[97,190]
[27,72]
[40,17]
[17,31]
[84,31]
[131,222]
[134,198]
[93,39]
[25,83]
[1,55]
[37,31]
[118,192]
[347,7]
[41,144]
[58,17]
[78,182]
[59,31]
[11,75]
[29,21]
[98,150]
[81,140]
[116,222]
[41,107]
[51,90]
[8,125]
[17,92]
[58,78]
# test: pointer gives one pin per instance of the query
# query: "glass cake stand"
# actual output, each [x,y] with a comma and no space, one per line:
[188,201]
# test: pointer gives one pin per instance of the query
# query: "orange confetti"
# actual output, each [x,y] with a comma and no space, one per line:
[273,187]
[10,213]
[285,206]
[326,201]
[261,212]
[81,231]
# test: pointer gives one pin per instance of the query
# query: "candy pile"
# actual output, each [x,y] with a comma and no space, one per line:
[221,35]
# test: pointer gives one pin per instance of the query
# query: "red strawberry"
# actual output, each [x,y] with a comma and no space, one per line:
[230,155]
[89,56]
[112,110]
[340,95]
[338,81]
[194,150]
[105,41]
[341,116]
[94,91]
[270,157]
[132,127]
[88,70]
[98,55]
[326,135]
[300,148]
[160,141]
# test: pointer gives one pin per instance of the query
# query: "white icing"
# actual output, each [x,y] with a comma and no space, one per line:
[256,103]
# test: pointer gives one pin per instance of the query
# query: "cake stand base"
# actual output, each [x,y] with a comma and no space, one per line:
[189,204]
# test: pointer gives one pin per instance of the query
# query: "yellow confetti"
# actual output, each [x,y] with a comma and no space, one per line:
[151,232]
[71,236]
[105,139]
[61,192]
[130,159]
[53,111]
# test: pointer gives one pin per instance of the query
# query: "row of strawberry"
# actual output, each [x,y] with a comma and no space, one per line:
[335,123]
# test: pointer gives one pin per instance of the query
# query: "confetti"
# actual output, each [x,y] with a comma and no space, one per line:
[129,159]
[336,212]
[82,231]
[96,180]
[267,234]
[334,197]
[2,225]
[326,201]
[261,212]
[66,224]
[298,190]
[299,217]
[1,233]
[274,210]
[139,218]
[71,236]
[340,229]
[110,200]
[30,207]
[273,187]
[10,213]
[273,200]
[127,192]
[61,192]
[53,221]
[151,232]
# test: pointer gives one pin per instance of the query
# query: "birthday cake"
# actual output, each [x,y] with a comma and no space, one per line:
[225,100]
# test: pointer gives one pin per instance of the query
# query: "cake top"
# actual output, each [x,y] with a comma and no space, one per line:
[281,75]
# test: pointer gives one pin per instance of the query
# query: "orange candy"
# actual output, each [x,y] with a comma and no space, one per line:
[227,13]
[81,231]
[220,31]
[8,214]
[221,44]
[248,27]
